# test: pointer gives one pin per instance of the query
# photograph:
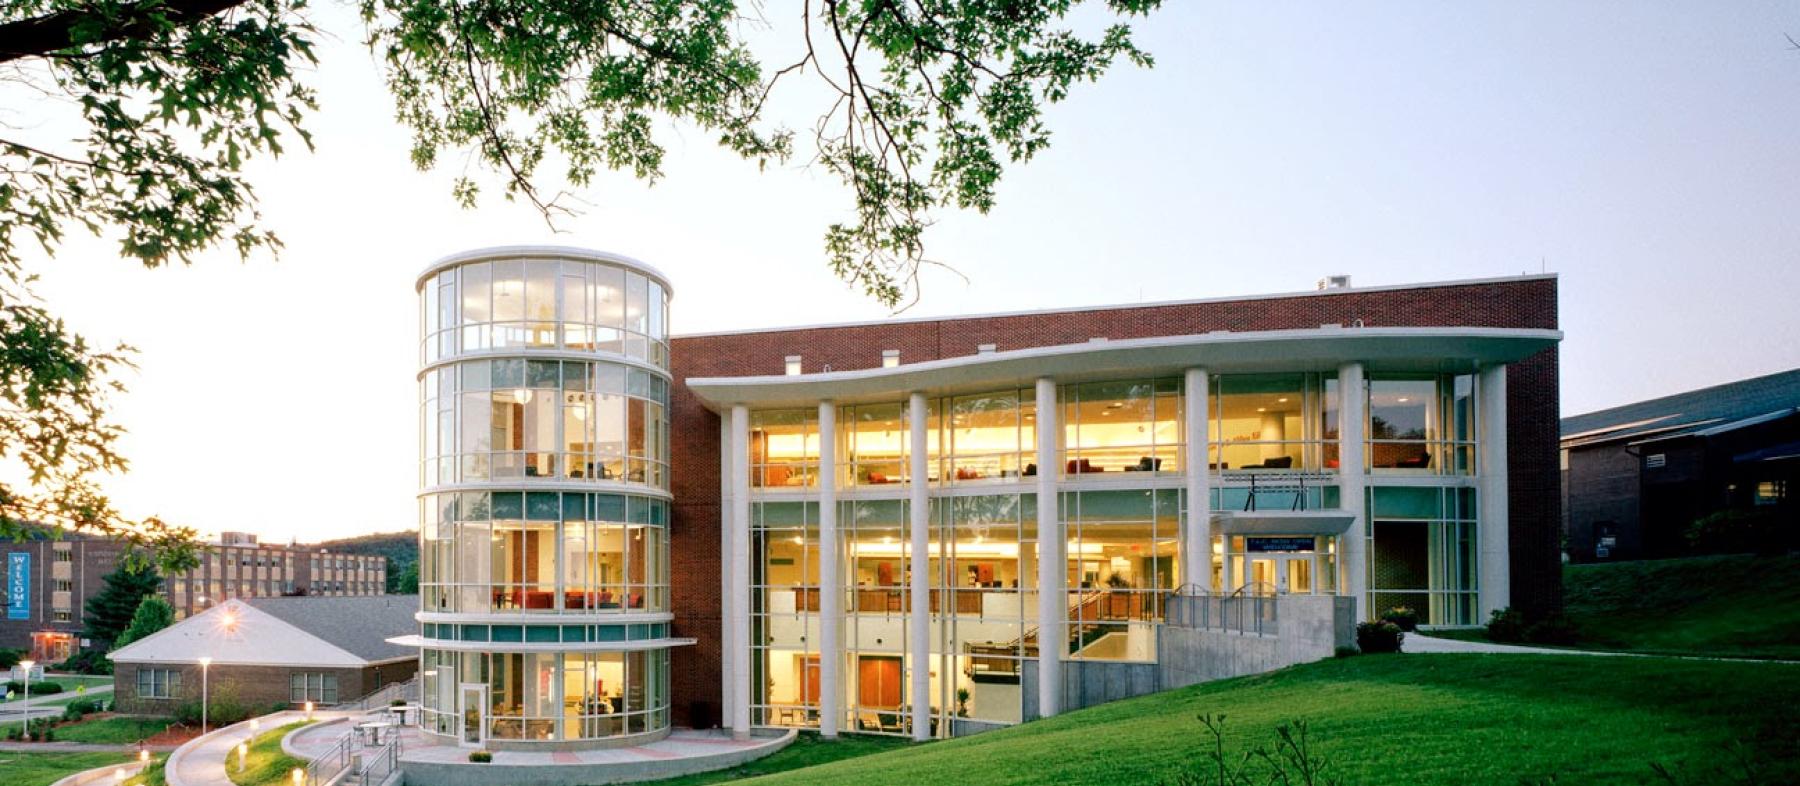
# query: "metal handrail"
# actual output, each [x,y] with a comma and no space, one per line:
[376,769]
[327,766]
[381,697]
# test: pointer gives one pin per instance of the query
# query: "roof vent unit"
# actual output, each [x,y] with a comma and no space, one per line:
[1334,282]
[984,349]
[890,358]
[793,365]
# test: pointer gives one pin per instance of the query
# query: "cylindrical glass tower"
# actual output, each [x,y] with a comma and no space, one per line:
[544,503]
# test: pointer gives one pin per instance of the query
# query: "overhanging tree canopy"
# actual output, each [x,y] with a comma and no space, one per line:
[924,104]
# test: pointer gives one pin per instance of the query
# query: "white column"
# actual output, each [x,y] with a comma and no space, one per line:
[918,635]
[1196,548]
[728,590]
[831,582]
[1053,564]
[739,643]
[1353,548]
[1493,519]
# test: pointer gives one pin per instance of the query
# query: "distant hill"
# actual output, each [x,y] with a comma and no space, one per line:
[400,548]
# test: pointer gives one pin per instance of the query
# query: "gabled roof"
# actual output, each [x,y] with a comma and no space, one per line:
[1684,413]
[358,624]
[348,632]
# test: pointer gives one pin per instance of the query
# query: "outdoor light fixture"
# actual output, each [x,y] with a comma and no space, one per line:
[205,662]
[309,709]
[143,754]
[119,775]
[26,704]
[243,755]
[522,395]
[299,776]
[255,724]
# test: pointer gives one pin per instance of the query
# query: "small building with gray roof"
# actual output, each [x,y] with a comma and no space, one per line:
[268,651]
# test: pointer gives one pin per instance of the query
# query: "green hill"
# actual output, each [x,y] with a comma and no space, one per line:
[1737,606]
[1401,719]
[400,548]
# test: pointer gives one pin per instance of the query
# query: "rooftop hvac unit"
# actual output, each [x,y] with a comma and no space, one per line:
[1334,282]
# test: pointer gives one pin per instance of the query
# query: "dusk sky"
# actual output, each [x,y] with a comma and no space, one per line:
[1644,152]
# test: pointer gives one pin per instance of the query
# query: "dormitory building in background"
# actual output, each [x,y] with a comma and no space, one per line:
[49,580]
[925,526]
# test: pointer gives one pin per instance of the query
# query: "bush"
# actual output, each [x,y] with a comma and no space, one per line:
[80,707]
[1507,626]
[480,757]
[1738,531]
[1406,618]
[38,688]
[223,709]
[10,657]
[1346,652]
[41,731]
[1380,636]
[87,662]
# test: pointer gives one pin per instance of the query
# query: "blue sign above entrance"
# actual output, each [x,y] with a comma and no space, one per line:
[1267,545]
[18,586]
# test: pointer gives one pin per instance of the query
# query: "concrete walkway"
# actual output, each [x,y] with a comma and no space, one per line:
[79,747]
[47,706]
[201,760]
[1420,642]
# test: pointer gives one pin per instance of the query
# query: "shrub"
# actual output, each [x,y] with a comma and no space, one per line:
[10,657]
[1406,618]
[1382,636]
[397,703]
[87,662]
[223,709]
[38,688]
[1507,625]
[1738,531]
[80,707]
[1346,652]
[481,757]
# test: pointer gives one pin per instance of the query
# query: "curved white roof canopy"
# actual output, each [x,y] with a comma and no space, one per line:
[496,253]
[1380,349]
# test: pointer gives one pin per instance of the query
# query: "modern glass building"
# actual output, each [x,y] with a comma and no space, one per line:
[544,511]
[928,527]
[921,547]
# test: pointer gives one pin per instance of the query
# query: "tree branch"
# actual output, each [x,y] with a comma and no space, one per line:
[40,36]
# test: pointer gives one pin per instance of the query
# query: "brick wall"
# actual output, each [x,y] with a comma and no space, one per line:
[257,687]
[1532,402]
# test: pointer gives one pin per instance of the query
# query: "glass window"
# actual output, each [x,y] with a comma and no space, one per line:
[1122,550]
[784,448]
[1421,425]
[1125,426]
[876,444]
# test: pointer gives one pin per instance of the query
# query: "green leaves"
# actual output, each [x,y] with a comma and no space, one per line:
[928,99]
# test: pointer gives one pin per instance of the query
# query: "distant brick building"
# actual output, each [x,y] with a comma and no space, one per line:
[50,580]
[1637,476]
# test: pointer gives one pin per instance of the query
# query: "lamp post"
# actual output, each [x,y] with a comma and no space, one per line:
[204,663]
[25,706]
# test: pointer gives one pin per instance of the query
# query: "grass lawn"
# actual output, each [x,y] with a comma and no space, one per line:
[119,729]
[1725,607]
[43,769]
[1399,719]
[267,764]
[805,751]
[1735,606]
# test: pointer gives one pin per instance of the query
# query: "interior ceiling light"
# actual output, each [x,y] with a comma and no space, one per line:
[521,395]
[1282,400]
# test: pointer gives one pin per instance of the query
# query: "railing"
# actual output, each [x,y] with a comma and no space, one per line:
[326,767]
[379,766]
[384,696]
[1250,613]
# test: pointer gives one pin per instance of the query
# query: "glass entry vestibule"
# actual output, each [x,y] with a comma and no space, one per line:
[1283,564]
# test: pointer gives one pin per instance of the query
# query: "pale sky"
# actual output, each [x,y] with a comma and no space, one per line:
[1644,152]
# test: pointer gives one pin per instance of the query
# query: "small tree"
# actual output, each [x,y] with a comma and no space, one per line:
[153,614]
[111,610]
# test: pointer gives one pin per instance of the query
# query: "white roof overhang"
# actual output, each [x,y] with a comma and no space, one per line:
[1380,349]
[1283,522]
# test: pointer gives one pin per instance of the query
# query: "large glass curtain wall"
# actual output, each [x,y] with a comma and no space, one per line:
[543,552]
[1274,422]
[1122,550]
[1422,424]
[1423,553]
[1125,426]
[547,696]
[548,303]
[784,613]
[516,418]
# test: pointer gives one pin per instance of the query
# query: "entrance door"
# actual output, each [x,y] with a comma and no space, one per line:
[1297,574]
[809,680]
[1263,578]
[474,714]
[878,682]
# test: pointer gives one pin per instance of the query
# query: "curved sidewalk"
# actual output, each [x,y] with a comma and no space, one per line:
[1423,643]
[201,761]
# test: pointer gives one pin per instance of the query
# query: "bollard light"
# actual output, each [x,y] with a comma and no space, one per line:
[299,776]
[255,723]
[119,775]
[309,708]
[243,755]
[144,755]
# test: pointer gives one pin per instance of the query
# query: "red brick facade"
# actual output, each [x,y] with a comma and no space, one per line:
[1532,415]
